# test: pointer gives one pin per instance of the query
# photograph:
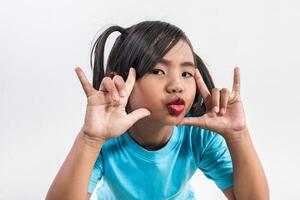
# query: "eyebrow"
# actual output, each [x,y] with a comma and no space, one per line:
[184,64]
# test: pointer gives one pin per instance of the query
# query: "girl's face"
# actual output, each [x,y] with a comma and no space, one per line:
[171,79]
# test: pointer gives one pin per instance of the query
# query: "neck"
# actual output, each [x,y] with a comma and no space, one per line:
[150,135]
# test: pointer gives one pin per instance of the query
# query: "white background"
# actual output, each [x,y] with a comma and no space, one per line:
[42,104]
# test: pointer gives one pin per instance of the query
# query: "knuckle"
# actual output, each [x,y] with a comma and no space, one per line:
[224,90]
[108,84]
[215,90]
[118,78]
[105,79]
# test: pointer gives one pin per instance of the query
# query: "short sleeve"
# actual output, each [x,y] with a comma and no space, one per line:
[97,173]
[215,160]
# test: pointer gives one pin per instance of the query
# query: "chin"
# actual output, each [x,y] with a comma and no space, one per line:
[172,120]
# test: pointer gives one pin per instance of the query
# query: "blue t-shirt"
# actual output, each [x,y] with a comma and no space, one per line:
[129,171]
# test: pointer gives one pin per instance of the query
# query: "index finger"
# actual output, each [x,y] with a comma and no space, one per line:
[87,87]
[201,84]
[236,81]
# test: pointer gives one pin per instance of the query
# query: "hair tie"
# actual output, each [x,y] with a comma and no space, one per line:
[123,31]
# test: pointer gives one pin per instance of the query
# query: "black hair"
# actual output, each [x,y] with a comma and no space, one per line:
[142,46]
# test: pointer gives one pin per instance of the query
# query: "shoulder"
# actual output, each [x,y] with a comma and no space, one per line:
[112,145]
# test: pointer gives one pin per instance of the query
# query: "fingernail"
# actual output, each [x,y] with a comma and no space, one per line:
[216,108]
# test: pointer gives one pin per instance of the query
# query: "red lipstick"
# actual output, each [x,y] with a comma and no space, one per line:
[176,106]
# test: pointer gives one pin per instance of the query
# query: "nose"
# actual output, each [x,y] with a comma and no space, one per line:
[174,87]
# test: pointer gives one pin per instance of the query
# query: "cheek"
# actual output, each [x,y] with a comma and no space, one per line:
[141,97]
[191,90]
[191,94]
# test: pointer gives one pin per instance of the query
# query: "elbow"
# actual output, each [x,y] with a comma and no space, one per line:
[54,196]
[262,195]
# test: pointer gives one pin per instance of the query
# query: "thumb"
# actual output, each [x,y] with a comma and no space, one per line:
[194,121]
[134,116]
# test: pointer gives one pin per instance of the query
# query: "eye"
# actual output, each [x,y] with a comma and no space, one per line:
[187,74]
[157,71]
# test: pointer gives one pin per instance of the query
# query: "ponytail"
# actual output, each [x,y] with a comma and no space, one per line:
[98,51]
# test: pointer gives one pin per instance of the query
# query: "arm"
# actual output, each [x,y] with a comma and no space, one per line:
[225,115]
[71,182]
[249,179]
[105,118]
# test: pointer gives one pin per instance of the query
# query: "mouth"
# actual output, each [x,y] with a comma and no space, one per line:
[176,106]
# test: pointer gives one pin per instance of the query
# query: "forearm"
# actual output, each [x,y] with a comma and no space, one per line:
[71,182]
[249,179]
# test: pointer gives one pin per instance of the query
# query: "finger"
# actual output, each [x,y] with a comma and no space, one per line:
[136,115]
[194,121]
[130,81]
[87,87]
[236,83]
[224,96]
[201,85]
[107,86]
[120,85]
[215,100]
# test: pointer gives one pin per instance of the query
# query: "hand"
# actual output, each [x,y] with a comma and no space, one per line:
[106,116]
[224,110]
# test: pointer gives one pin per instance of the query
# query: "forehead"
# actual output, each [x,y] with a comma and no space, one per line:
[181,51]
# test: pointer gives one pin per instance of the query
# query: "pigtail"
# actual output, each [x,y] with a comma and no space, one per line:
[205,73]
[98,52]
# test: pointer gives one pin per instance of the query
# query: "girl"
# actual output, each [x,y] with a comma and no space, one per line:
[145,137]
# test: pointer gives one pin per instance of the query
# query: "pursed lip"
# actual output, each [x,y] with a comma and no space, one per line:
[176,106]
[176,101]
